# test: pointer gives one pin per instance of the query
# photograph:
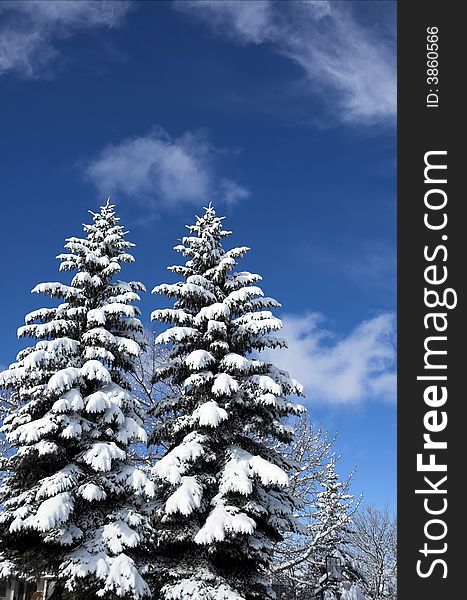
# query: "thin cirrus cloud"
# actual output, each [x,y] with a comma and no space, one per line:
[29,30]
[352,66]
[371,264]
[162,171]
[336,370]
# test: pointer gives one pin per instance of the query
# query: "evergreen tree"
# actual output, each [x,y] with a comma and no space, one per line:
[223,498]
[67,504]
[333,513]
[334,510]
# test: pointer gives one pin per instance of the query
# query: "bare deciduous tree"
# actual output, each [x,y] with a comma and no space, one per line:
[325,515]
[149,391]
[374,547]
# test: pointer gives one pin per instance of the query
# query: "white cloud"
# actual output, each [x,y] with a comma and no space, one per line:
[157,168]
[352,66]
[340,370]
[231,192]
[29,29]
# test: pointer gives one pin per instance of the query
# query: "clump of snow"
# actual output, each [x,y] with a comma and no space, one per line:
[266,383]
[97,402]
[199,359]
[131,431]
[96,316]
[92,492]
[101,455]
[99,334]
[93,370]
[176,334]
[119,536]
[72,430]
[128,346]
[243,295]
[186,498]
[235,362]
[7,568]
[51,512]
[71,400]
[224,385]
[213,312]
[116,574]
[61,481]
[224,519]
[243,467]
[138,481]
[198,378]
[172,466]
[56,289]
[171,315]
[123,578]
[33,431]
[210,414]
[64,380]
[42,448]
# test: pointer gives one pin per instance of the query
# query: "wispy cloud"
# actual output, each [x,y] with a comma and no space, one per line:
[340,370]
[30,29]
[158,169]
[371,264]
[351,65]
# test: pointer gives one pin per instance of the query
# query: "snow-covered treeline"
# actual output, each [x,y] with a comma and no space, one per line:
[163,465]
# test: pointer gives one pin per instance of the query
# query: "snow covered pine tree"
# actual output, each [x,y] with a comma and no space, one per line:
[68,507]
[224,497]
[335,508]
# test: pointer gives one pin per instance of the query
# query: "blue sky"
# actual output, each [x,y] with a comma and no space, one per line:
[282,114]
